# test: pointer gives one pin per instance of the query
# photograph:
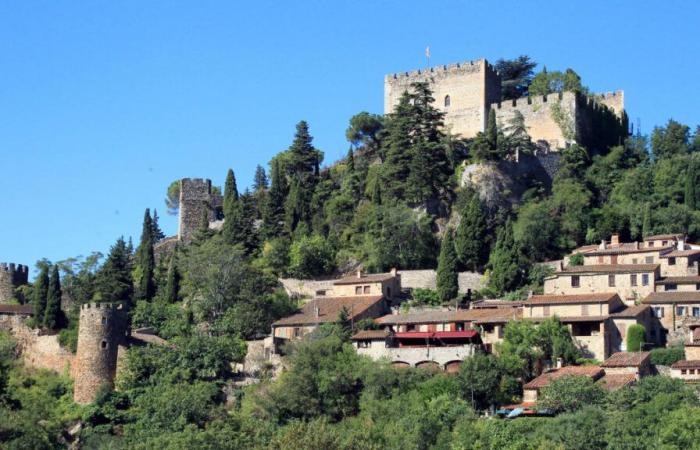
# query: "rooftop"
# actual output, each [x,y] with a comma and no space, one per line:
[627,248]
[656,237]
[681,253]
[328,310]
[594,372]
[23,310]
[672,297]
[611,382]
[686,364]
[610,268]
[627,359]
[370,334]
[630,312]
[570,299]
[679,280]
[484,315]
[365,278]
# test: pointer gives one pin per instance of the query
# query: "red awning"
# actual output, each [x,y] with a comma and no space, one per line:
[437,334]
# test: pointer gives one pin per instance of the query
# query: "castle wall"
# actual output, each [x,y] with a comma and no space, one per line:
[613,100]
[11,277]
[196,200]
[101,331]
[539,113]
[471,87]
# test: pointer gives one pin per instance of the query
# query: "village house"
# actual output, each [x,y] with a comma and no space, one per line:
[688,369]
[673,309]
[531,390]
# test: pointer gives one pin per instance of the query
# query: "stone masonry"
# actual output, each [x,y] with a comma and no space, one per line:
[102,329]
[12,276]
[196,201]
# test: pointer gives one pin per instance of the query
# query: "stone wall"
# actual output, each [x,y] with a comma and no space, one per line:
[416,355]
[101,331]
[471,86]
[37,350]
[196,201]
[11,276]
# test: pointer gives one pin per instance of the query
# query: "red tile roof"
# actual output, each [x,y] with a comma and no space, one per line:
[627,359]
[630,312]
[694,279]
[680,253]
[686,364]
[672,297]
[611,382]
[628,248]
[485,315]
[366,278]
[553,299]
[22,310]
[329,309]
[657,237]
[543,380]
[609,268]
[370,334]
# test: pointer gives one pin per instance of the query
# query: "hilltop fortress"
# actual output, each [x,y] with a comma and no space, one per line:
[466,92]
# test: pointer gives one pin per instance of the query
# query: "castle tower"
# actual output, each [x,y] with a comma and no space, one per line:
[462,91]
[102,329]
[11,277]
[196,200]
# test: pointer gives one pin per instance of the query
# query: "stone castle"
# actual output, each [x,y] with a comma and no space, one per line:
[12,276]
[466,92]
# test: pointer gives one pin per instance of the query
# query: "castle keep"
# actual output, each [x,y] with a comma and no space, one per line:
[466,92]
[12,276]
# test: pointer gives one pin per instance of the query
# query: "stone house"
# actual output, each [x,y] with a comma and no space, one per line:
[532,389]
[672,309]
[637,364]
[387,285]
[681,283]
[688,369]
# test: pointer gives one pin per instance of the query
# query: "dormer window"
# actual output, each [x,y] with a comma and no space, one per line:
[447,101]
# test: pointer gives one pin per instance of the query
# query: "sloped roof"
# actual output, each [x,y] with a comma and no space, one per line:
[370,334]
[611,382]
[329,309]
[693,279]
[630,312]
[485,315]
[627,359]
[553,299]
[672,297]
[628,248]
[609,268]
[681,253]
[686,364]
[22,310]
[594,372]
[365,278]
[656,237]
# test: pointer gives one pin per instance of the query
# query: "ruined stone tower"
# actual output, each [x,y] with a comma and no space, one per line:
[102,328]
[196,200]
[12,276]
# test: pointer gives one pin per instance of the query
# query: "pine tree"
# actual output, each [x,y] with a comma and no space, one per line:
[646,221]
[39,294]
[273,211]
[146,260]
[397,166]
[260,180]
[297,206]
[303,168]
[172,286]
[157,233]
[470,236]
[690,192]
[505,261]
[113,281]
[247,234]
[447,278]
[230,192]
[52,314]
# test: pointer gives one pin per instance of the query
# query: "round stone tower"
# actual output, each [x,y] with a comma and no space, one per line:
[102,328]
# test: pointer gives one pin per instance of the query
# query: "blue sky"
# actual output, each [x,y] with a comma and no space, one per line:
[103,104]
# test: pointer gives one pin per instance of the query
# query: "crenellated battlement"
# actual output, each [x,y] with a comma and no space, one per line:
[12,276]
[14,268]
[455,68]
[116,306]
[524,102]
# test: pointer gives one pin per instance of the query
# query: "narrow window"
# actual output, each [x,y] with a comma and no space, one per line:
[651,243]
[611,280]
[447,101]
[664,243]
[366,288]
[575,281]
[297,332]
[683,372]
[680,310]
[633,279]
[697,287]
[659,312]
[696,311]
[358,290]
[671,261]
[671,287]
[645,279]
[103,344]
[104,321]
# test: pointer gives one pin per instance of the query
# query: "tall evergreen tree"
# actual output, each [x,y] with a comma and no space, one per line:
[157,232]
[230,192]
[487,145]
[114,282]
[172,286]
[447,278]
[690,191]
[39,294]
[303,168]
[52,314]
[273,211]
[470,236]
[505,261]
[397,165]
[260,180]
[646,221]
[146,260]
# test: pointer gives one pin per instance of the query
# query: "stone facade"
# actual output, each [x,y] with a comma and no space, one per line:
[196,200]
[12,276]
[102,329]
[446,358]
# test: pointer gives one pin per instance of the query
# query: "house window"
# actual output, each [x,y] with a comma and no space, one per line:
[671,287]
[633,279]
[601,259]
[684,372]
[645,279]
[696,311]
[459,326]
[664,243]
[697,287]
[575,281]
[671,261]
[411,327]
[584,310]
[611,280]
[634,260]
[103,344]
[358,290]
[659,312]
[613,259]
[649,260]
[545,310]
[364,344]
[447,101]
[296,332]
[651,243]
[366,289]
[680,310]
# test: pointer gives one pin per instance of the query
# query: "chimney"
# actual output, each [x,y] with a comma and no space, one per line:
[680,245]
[359,273]
[317,311]
[602,245]
[530,293]
[393,271]
[615,239]
[559,363]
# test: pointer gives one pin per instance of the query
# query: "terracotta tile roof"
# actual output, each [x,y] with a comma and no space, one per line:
[679,280]
[612,382]
[370,334]
[482,304]
[22,310]
[543,380]
[686,364]
[627,359]
[366,278]
[672,297]
[630,312]
[680,253]
[628,248]
[485,315]
[553,299]
[329,308]
[610,268]
[584,249]
[656,237]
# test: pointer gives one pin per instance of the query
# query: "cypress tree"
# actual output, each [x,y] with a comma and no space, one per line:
[146,260]
[506,270]
[303,169]
[260,179]
[447,278]
[470,236]
[230,192]
[646,221]
[690,194]
[39,294]
[52,314]
[273,211]
[114,282]
[397,166]
[233,211]
[172,286]
[492,130]
[157,233]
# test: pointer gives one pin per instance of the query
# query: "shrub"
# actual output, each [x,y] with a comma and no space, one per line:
[425,297]
[667,356]
[576,260]
[635,338]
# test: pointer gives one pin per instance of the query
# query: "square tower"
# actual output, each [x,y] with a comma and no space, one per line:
[462,91]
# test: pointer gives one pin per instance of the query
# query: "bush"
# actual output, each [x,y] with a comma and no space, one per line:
[667,356]
[425,297]
[68,338]
[635,338]
[576,260]
[311,256]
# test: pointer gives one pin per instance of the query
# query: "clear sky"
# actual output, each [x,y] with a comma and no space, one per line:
[104,103]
